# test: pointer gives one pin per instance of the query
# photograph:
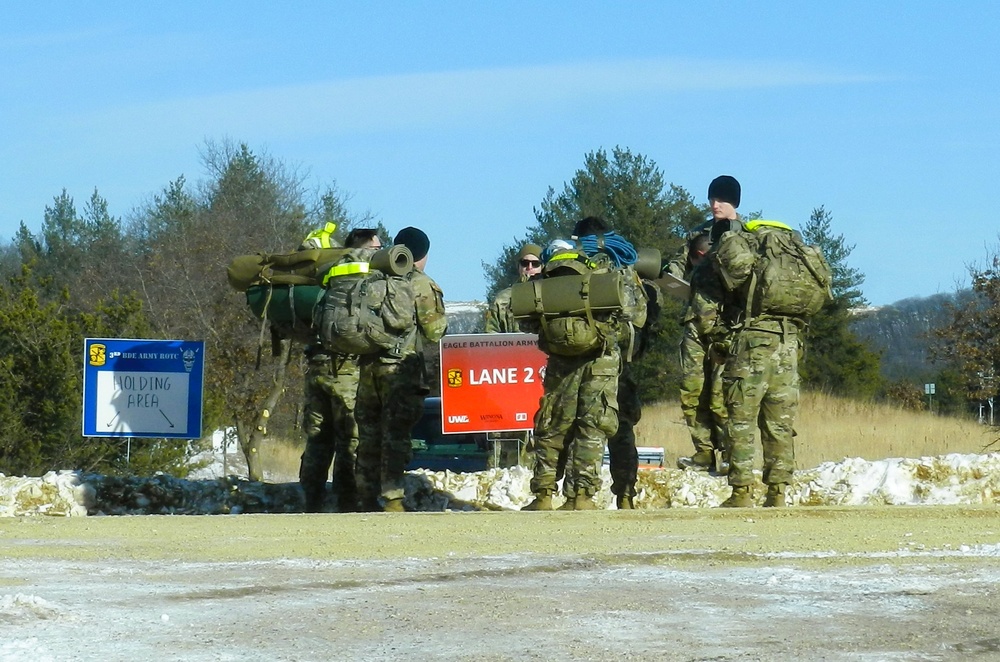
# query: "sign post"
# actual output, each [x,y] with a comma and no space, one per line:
[142,388]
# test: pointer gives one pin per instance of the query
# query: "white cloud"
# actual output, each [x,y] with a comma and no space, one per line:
[403,101]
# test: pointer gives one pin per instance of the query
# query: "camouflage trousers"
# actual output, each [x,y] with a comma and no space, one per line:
[701,395]
[622,454]
[578,412]
[331,387]
[761,381]
[390,402]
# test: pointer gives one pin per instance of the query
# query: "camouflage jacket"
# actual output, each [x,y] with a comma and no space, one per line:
[499,317]
[432,321]
[704,307]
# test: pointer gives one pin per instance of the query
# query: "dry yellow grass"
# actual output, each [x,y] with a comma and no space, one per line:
[830,429]
[280,459]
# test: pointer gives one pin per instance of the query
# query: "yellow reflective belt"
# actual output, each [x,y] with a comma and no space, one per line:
[564,256]
[346,269]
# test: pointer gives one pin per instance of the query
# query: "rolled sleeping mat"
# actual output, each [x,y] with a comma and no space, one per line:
[284,303]
[394,260]
[244,271]
[305,267]
[568,295]
[648,264]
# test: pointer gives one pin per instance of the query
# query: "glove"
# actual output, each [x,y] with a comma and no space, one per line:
[718,352]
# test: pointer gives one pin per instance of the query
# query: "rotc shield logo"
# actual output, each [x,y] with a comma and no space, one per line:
[97,354]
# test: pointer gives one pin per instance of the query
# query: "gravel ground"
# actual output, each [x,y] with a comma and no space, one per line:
[815,583]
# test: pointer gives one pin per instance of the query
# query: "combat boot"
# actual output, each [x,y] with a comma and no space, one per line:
[569,504]
[393,506]
[700,461]
[314,497]
[720,463]
[347,502]
[625,502]
[775,496]
[742,497]
[584,502]
[542,501]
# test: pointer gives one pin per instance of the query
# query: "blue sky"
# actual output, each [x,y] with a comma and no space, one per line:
[456,117]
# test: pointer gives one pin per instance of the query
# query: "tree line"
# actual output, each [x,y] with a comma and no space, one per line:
[160,273]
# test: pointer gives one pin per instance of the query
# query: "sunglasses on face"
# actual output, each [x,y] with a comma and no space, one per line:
[531,264]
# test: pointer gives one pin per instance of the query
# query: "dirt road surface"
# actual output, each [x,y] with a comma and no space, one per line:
[824,583]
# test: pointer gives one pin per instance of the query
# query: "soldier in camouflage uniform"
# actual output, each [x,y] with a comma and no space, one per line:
[701,398]
[579,407]
[500,319]
[760,380]
[331,386]
[392,389]
[623,456]
[701,394]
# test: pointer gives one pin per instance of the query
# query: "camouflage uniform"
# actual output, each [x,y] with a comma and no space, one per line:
[580,405]
[391,398]
[331,387]
[760,378]
[623,457]
[701,394]
[579,410]
[500,319]
[761,381]
[701,397]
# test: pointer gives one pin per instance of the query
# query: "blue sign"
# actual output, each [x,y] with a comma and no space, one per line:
[142,388]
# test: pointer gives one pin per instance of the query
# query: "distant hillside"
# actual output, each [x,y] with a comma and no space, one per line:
[901,332]
[465,316]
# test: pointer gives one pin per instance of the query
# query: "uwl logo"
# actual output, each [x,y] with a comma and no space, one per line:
[458,419]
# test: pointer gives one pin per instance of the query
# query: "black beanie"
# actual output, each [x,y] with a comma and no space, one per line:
[415,240]
[726,189]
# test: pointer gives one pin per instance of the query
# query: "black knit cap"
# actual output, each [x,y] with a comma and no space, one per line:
[590,225]
[726,189]
[415,240]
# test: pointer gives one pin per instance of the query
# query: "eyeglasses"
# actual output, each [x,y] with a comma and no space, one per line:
[531,264]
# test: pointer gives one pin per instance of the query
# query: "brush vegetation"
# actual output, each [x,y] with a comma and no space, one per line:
[829,429]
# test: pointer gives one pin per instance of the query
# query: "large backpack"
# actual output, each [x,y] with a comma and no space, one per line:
[571,291]
[784,276]
[369,305]
[285,288]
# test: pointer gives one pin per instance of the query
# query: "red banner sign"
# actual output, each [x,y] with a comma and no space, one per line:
[490,382]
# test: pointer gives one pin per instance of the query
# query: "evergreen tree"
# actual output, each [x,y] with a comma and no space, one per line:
[629,192]
[835,359]
[41,344]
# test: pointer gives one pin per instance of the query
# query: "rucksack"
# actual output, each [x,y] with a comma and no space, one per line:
[284,288]
[785,276]
[369,306]
[564,301]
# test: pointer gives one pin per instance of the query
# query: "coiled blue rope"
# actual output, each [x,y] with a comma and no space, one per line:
[620,249]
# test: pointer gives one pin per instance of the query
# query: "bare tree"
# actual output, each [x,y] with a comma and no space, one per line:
[184,242]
